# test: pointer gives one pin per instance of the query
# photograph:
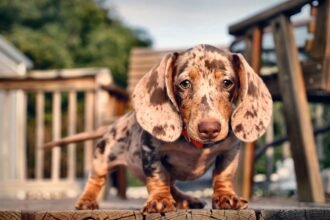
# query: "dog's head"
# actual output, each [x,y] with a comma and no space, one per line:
[204,90]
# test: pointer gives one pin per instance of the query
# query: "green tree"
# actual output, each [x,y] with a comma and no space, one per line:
[70,33]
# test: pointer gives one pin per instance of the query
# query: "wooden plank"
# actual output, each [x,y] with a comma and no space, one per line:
[56,124]
[48,85]
[21,134]
[326,62]
[264,18]
[72,123]
[13,215]
[298,121]
[284,214]
[317,214]
[5,137]
[86,214]
[245,174]
[233,214]
[319,122]
[151,58]
[89,126]
[320,33]
[308,214]
[180,214]
[62,73]
[40,111]
[269,137]
[143,51]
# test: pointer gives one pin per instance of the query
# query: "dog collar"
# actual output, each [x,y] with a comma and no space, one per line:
[196,143]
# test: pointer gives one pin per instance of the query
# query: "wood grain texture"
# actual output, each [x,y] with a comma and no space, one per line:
[89,126]
[87,83]
[72,123]
[297,115]
[326,59]
[273,214]
[40,115]
[263,18]
[56,126]
[13,215]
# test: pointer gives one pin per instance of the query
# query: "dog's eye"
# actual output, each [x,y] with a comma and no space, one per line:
[185,84]
[227,84]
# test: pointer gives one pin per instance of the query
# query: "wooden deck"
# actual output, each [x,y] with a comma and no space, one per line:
[273,208]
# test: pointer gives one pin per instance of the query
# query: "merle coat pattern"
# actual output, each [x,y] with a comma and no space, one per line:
[213,97]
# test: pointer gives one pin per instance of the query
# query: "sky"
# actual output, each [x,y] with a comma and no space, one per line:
[185,23]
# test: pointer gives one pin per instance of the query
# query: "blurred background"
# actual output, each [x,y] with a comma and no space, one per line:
[68,66]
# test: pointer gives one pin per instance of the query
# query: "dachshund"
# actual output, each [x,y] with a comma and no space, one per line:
[190,111]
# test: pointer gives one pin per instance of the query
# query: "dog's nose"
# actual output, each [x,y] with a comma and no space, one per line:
[209,129]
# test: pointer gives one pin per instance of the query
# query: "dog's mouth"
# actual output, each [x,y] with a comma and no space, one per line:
[196,139]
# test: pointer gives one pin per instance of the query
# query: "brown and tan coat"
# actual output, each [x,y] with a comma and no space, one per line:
[190,112]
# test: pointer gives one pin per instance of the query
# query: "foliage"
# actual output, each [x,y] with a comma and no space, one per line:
[65,34]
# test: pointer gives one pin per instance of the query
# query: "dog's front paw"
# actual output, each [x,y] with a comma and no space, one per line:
[86,203]
[159,204]
[226,200]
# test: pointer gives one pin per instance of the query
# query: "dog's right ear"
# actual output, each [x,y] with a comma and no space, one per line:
[254,107]
[154,102]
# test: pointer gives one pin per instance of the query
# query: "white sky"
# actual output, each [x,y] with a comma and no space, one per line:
[185,23]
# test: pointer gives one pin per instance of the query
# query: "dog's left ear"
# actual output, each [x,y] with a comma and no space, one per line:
[154,102]
[254,105]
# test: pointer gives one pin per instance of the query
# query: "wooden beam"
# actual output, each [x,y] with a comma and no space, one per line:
[294,213]
[21,135]
[87,83]
[264,18]
[4,150]
[298,120]
[89,126]
[72,123]
[40,111]
[326,58]
[56,123]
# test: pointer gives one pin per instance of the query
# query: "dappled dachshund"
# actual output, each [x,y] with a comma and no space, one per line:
[190,111]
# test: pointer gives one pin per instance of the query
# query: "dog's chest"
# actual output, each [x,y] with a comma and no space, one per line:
[185,162]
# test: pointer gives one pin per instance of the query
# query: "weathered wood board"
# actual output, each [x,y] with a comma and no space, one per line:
[180,214]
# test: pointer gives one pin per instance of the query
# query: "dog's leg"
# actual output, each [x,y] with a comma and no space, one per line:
[224,196]
[106,159]
[157,179]
[96,180]
[184,201]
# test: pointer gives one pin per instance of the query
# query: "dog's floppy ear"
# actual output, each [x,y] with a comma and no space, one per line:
[254,105]
[154,102]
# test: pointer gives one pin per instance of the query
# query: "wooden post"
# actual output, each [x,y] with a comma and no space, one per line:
[72,123]
[21,110]
[5,138]
[89,126]
[319,122]
[297,114]
[269,155]
[40,111]
[326,62]
[56,123]
[245,172]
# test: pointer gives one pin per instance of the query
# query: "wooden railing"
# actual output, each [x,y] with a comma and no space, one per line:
[293,80]
[44,106]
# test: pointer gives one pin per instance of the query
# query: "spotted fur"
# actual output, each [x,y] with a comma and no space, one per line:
[202,84]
